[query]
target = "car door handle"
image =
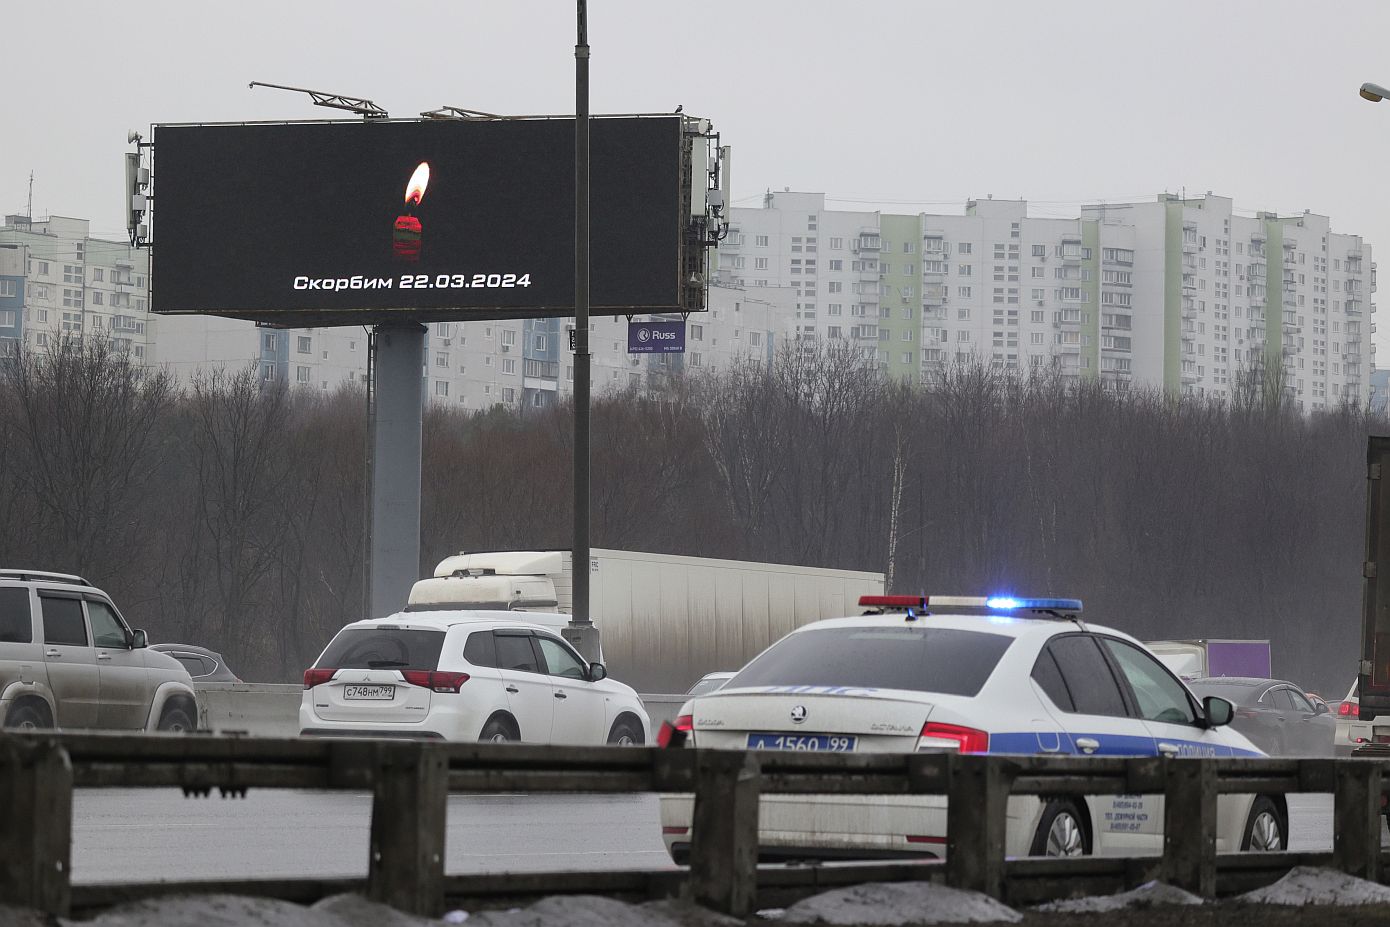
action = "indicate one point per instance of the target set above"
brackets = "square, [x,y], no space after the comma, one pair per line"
[1087,745]
[103,655]
[1169,749]
[561,695]
[52,653]
[513,690]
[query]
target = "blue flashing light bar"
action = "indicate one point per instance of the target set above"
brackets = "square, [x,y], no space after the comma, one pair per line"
[1009,603]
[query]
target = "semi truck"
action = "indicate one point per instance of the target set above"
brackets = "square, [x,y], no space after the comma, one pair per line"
[1373,672]
[664,620]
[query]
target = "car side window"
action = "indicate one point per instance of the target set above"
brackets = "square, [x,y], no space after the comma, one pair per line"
[16,621]
[560,660]
[1301,702]
[1160,696]
[514,652]
[193,664]
[1093,687]
[1282,699]
[107,629]
[480,649]
[1049,679]
[63,623]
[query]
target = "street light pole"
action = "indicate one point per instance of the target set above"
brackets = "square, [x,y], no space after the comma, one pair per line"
[581,631]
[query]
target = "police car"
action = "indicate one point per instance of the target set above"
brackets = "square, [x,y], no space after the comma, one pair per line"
[976,675]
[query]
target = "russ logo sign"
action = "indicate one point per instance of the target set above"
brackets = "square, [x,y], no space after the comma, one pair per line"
[407,237]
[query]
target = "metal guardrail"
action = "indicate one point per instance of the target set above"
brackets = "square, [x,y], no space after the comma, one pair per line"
[411,782]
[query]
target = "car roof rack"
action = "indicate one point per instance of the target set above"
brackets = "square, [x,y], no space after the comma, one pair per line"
[43,576]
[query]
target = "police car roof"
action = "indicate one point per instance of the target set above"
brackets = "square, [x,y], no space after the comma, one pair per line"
[1020,625]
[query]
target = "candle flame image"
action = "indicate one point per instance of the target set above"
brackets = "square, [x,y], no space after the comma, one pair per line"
[415,190]
[407,234]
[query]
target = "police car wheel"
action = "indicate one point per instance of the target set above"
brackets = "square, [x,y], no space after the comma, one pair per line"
[1061,832]
[1265,828]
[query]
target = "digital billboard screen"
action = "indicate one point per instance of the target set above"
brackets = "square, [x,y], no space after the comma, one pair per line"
[349,222]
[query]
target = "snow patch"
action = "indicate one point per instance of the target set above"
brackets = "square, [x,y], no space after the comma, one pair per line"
[899,904]
[1148,895]
[244,911]
[1309,885]
[597,911]
[22,917]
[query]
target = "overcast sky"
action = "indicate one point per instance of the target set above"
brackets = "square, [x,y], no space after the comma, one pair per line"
[904,105]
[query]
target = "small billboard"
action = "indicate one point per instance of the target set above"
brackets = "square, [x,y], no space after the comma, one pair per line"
[656,337]
[333,223]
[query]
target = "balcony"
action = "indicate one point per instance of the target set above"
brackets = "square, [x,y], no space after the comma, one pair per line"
[1189,283]
[868,243]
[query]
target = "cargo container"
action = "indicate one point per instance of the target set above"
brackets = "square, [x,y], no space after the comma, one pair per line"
[665,620]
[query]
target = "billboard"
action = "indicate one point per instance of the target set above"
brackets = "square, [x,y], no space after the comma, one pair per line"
[355,222]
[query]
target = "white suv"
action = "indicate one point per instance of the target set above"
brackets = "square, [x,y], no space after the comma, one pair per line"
[466,675]
[68,659]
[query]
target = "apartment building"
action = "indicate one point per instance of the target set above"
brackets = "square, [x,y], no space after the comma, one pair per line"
[1179,294]
[63,282]
[56,280]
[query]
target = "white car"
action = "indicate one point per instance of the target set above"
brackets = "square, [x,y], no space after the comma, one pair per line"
[1351,732]
[1010,676]
[466,675]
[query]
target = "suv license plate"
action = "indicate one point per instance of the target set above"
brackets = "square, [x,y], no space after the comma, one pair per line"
[834,743]
[379,693]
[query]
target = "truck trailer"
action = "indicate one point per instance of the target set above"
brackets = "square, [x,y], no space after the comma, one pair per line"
[664,620]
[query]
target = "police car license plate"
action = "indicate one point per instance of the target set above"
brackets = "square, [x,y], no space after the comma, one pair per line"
[379,693]
[835,743]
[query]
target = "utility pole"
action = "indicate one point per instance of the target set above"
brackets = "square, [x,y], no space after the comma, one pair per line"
[581,631]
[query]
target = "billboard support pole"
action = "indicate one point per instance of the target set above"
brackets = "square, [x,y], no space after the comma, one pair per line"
[398,400]
[581,631]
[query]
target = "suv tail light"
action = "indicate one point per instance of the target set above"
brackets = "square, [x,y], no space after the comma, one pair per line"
[435,680]
[1349,710]
[317,677]
[937,736]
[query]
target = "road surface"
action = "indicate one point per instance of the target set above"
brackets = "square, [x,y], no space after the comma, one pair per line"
[148,834]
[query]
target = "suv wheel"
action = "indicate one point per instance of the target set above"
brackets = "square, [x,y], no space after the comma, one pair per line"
[497,731]
[27,718]
[624,734]
[175,720]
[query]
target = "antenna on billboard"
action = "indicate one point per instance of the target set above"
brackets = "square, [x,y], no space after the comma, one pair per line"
[362,107]
[458,112]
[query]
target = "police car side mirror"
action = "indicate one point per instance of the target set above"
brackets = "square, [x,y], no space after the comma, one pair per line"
[1218,711]
[597,671]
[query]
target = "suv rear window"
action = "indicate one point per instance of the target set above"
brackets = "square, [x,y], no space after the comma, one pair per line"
[16,623]
[383,648]
[923,659]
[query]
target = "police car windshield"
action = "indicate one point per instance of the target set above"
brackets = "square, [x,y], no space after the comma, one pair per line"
[920,659]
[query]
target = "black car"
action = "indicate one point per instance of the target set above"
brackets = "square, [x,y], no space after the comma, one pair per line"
[1274,713]
[202,664]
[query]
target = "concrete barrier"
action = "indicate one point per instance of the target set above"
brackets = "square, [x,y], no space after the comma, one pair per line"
[258,709]
[662,707]
[271,710]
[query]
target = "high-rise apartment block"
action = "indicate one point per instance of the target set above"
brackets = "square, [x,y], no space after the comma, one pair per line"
[1178,294]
